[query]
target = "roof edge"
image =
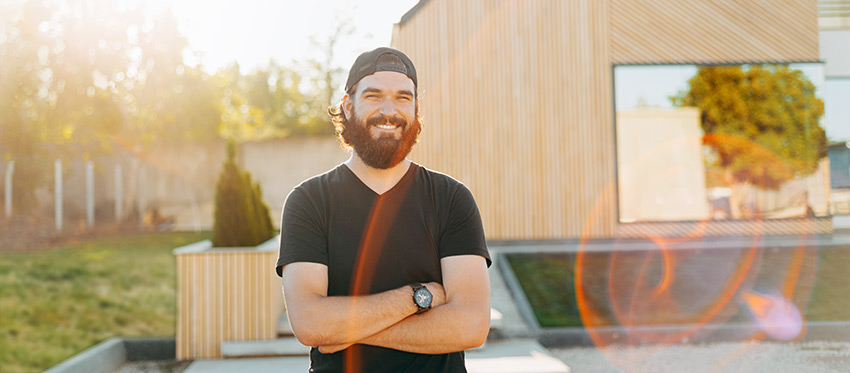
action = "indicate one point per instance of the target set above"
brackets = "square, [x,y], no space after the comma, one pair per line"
[412,12]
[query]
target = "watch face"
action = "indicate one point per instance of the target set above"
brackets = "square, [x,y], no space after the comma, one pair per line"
[422,297]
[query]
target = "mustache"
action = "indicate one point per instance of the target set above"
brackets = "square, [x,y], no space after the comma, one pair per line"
[381,119]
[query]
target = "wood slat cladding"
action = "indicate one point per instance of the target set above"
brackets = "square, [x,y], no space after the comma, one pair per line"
[516,101]
[712,31]
[228,295]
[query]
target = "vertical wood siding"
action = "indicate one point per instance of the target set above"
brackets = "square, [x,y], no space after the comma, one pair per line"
[517,95]
[709,31]
[225,296]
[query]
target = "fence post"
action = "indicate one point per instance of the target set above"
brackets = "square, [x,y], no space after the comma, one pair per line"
[119,194]
[58,193]
[10,169]
[90,194]
[141,195]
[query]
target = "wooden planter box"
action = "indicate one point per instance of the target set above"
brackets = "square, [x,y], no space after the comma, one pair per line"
[225,294]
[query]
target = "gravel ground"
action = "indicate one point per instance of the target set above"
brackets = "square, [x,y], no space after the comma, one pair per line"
[814,356]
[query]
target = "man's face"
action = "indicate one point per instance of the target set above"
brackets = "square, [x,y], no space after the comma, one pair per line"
[382,126]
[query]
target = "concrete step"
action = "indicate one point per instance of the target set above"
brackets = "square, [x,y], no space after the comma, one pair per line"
[275,347]
[298,364]
[496,319]
[501,357]
[513,356]
[283,327]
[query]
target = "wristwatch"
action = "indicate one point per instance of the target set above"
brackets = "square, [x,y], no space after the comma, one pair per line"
[421,297]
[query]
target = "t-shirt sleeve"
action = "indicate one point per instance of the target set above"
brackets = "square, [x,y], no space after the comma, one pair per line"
[463,233]
[302,231]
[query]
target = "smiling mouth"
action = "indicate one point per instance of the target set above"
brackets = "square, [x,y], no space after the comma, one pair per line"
[386,126]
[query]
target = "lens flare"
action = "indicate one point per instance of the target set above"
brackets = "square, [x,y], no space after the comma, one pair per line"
[384,210]
[776,315]
[672,288]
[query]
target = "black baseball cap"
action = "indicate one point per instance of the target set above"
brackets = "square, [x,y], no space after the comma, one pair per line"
[367,64]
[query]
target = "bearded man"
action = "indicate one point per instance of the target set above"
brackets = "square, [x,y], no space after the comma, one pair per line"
[384,262]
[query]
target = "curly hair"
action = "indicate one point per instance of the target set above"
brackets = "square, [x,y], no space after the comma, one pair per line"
[339,121]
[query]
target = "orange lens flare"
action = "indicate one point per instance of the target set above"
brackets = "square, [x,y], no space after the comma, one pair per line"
[384,210]
[776,315]
[690,288]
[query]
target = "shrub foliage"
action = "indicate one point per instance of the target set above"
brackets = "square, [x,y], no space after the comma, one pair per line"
[241,216]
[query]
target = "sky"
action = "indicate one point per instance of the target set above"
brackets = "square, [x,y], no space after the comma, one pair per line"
[251,32]
[254,31]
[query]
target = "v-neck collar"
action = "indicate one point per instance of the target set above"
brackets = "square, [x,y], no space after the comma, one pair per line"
[407,174]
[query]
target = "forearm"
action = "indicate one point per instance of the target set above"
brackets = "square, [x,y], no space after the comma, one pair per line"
[323,320]
[461,322]
[443,329]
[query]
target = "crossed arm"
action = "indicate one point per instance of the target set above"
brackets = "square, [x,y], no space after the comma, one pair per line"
[458,320]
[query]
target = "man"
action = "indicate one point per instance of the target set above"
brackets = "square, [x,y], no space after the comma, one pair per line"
[384,262]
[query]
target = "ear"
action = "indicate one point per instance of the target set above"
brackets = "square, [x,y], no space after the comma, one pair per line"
[346,105]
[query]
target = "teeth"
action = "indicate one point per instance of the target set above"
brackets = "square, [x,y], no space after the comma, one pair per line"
[386,126]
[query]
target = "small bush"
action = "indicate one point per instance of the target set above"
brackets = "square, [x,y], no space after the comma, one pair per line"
[241,216]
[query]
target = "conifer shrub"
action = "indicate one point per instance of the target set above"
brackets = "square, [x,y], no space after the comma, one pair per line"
[241,216]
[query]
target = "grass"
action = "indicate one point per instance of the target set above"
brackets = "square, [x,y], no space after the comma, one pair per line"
[544,279]
[55,303]
[822,286]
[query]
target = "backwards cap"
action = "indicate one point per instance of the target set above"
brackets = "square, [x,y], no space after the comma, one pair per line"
[367,64]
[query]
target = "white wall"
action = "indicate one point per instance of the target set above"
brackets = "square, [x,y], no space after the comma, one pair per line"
[280,165]
[661,176]
[179,180]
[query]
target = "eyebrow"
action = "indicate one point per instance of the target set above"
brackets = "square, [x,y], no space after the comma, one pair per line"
[376,90]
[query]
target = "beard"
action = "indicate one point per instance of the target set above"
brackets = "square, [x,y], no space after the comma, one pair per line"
[386,151]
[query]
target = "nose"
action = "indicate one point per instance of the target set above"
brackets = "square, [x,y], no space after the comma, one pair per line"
[388,108]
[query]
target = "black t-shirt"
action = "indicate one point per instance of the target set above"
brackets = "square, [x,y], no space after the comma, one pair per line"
[373,243]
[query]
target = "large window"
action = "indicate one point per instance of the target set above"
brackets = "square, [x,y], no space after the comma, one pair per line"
[837,123]
[720,142]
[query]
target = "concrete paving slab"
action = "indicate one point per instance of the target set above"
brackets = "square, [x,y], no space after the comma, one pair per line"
[511,323]
[813,356]
[254,365]
[283,327]
[275,347]
[515,356]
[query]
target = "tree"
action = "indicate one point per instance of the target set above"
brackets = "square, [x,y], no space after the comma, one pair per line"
[328,76]
[761,120]
[54,60]
[270,102]
[80,76]
[241,216]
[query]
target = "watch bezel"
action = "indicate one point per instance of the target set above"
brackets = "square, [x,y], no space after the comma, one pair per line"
[417,288]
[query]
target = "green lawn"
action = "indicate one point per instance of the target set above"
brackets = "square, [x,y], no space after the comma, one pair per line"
[822,292]
[55,303]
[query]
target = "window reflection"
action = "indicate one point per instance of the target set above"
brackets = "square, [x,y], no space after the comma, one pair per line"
[720,142]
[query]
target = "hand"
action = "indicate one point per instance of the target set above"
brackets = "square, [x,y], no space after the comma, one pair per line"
[329,349]
[438,294]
